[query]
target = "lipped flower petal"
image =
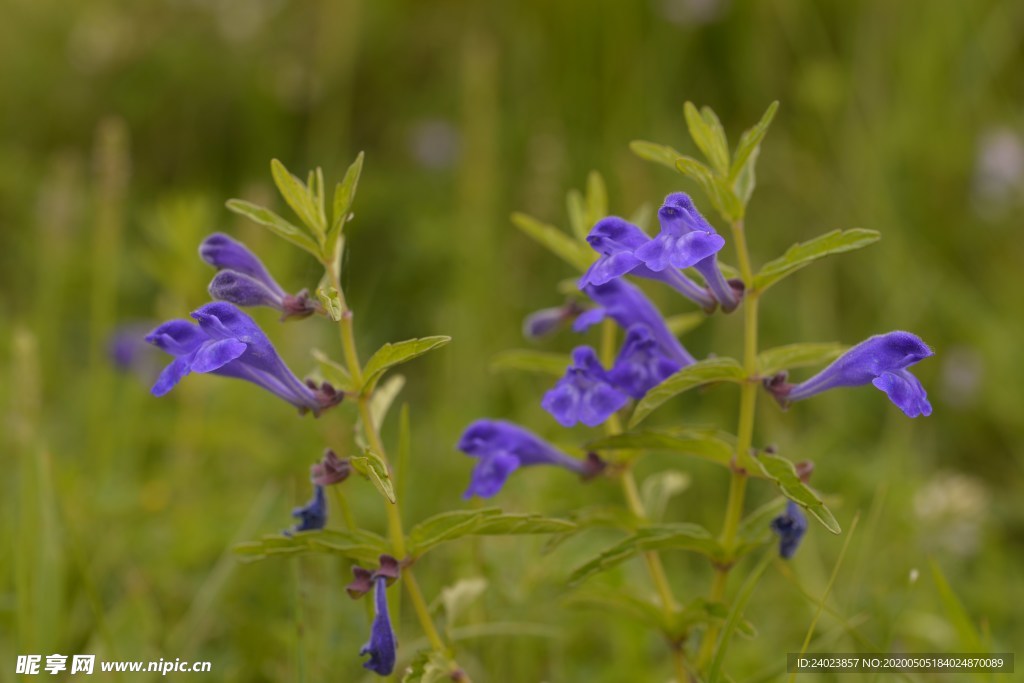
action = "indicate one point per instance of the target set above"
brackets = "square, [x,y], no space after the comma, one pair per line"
[641,364]
[584,394]
[881,360]
[243,290]
[503,447]
[224,253]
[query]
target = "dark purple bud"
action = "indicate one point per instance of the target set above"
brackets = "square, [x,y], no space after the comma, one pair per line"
[791,527]
[229,343]
[382,646]
[330,470]
[585,394]
[312,515]
[881,360]
[593,466]
[389,568]
[299,306]
[548,320]
[618,241]
[502,448]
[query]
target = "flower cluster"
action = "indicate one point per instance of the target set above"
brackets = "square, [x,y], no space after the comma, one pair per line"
[590,393]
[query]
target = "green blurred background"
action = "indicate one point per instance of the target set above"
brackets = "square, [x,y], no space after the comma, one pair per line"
[126,125]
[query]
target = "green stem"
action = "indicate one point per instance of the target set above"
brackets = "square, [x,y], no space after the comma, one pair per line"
[744,435]
[629,489]
[395,530]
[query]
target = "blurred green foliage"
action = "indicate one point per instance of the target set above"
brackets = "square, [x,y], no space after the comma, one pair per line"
[126,125]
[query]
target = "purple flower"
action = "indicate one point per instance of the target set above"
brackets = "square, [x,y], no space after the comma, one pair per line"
[548,320]
[687,239]
[627,305]
[641,364]
[791,527]
[312,515]
[502,448]
[617,240]
[228,342]
[382,646]
[881,360]
[585,394]
[244,281]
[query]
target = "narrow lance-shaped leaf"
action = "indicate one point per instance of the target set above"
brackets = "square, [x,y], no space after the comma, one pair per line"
[659,154]
[298,197]
[701,372]
[576,208]
[691,537]
[783,473]
[597,200]
[798,356]
[575,253]
[371,466]
[391,355]
[804,253]
[707,133]
[750,141]
[275,223]
[704,444]
[544,362]
[447,526]
[344,195]
[355,544]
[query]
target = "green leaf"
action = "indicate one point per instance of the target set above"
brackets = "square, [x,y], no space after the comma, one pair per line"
[783,473]
[715,187]
[428,666]
[800,255]
[332,302]
[706,131]
[576,253]
[371,466]
[383,397]
[545,362]
[355,544]
[750,143]
[735,618]
[704,444]
[390,355]
[746,181]
[658,537]
[298,197]
[333,372]
[486,522]
[701,372]
[344,195]
[597,200]
[575,206]
[968,638]
[659,154]
[277,225]
[798,356]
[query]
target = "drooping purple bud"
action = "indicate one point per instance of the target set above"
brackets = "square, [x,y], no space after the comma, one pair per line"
[617,241]
[312,515]
[503,447]
[881,360]
[382,646]
[548,320]
[791,527]
[585,394]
